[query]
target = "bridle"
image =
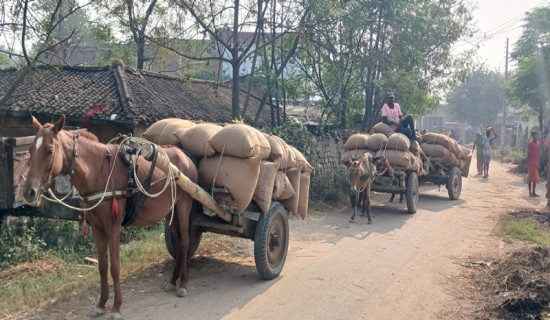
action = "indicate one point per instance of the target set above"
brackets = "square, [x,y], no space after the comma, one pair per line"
[70,171]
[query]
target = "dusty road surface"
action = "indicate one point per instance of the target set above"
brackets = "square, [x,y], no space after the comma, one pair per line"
[402,266]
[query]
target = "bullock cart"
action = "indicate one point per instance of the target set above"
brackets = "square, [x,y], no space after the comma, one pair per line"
[441,173]
[398,180]
[269,231]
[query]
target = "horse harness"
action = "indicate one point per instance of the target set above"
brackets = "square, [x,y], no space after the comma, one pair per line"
[129,159]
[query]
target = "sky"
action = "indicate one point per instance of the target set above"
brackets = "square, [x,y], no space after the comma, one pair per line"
[496,21]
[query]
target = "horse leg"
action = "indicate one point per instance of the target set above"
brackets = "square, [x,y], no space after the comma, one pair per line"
[392,196]
[100,239]
[114,254]
[401,198]
[174,228]
[367,201]
[184,217]
[357,196]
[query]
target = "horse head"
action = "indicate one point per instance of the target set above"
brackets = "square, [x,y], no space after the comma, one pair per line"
[46,159]
[359,171]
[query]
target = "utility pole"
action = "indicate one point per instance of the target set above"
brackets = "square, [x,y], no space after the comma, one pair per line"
[504,106]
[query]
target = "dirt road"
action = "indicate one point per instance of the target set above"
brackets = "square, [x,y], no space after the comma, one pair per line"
[401,267]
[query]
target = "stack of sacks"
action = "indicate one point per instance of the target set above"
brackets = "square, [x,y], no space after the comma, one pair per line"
[381,127]
[396,147]
[443,148]
[355,146]
[250,164]
[292,177]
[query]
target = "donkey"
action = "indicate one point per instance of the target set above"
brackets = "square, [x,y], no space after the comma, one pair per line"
[102,182]
[362,173]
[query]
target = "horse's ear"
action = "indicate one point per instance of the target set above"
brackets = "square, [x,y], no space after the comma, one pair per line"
[348,161]
[36,125]
[58,125]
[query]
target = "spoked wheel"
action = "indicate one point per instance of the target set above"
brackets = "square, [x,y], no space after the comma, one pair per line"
[454,183]
[271,241]
[172,244]
[412,192]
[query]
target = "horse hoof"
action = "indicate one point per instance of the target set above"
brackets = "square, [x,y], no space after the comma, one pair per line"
[97,312]
[169,287]
[351,221]
[182,292]
[115,316]
[370,221]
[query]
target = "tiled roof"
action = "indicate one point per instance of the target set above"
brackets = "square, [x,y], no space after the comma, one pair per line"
[135,96]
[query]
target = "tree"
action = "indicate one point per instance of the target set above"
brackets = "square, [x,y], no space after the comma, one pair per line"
[478,100]
[35,31]
[530,82]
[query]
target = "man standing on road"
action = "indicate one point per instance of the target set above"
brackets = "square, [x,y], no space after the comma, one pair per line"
[392,116]
[533,149]
[478,147]
[487,141]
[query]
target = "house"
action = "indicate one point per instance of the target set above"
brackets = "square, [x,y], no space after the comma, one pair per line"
[116,99]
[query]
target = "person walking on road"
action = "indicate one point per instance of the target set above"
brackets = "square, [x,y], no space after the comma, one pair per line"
[487,141]
[478,147]
[533,150]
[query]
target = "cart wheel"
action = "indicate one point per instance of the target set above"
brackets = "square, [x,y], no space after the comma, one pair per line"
[454,183]
[271,241]
[412,192]
[172,244]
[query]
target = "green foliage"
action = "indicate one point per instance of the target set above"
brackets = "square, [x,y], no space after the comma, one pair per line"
[478,100]
[329,188]
[524,230]
[27,239]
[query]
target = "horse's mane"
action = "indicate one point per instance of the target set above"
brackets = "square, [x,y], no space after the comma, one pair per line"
[86,134]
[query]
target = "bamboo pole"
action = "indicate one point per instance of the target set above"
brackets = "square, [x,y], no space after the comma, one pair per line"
[193,189]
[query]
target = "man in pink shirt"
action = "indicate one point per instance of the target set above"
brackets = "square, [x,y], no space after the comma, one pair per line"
[392,116]
[533,149]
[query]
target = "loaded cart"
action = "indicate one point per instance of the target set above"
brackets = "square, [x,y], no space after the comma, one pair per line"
[261,217]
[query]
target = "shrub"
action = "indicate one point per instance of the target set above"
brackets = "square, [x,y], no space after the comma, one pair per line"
[329,188]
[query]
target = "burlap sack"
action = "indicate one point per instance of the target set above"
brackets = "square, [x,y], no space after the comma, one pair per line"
[301,161]
[456,149]
[264,187]
[353,154]
[398,141]
[237,140]
[291,203]
[265,146]
[415,148]
[303,200]
[381,127]
[153,132]
[280,151]
[435,150]
[465,151]
[195,139]
[357,141]
[415,163]
[377,141]
[437,138]
[282,188]
[238,175]
[168,137]
[465,169]
[397,158]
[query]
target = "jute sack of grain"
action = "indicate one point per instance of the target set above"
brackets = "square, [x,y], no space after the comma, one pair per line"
[291,203]
[398,141]
[195,139]
[415,148]
[301,160]
[465,168]
[237,140]
[303,200]
[435,150]
[168,137]
[153,132]
[282,188]
[264,187]
[353,154]
[465,151]
[415,164]
[456,149]
[280,151]
[437,138]
[377,141]
[397,158]
[238,175]
[357,141]
[265,146]
[381,127]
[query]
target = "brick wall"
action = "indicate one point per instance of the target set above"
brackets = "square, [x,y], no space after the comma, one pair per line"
[330,148]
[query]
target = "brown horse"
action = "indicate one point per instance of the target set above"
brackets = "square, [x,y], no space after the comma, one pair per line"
[362,173]
[94,168]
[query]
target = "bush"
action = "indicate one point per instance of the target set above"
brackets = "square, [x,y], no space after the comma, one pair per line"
[328,188]
[297,136]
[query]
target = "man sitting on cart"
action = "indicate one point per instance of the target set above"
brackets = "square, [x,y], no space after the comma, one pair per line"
[392,116]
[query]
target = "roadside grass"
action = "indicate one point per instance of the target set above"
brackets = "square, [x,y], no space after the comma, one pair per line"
[524,229]
[36,284]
